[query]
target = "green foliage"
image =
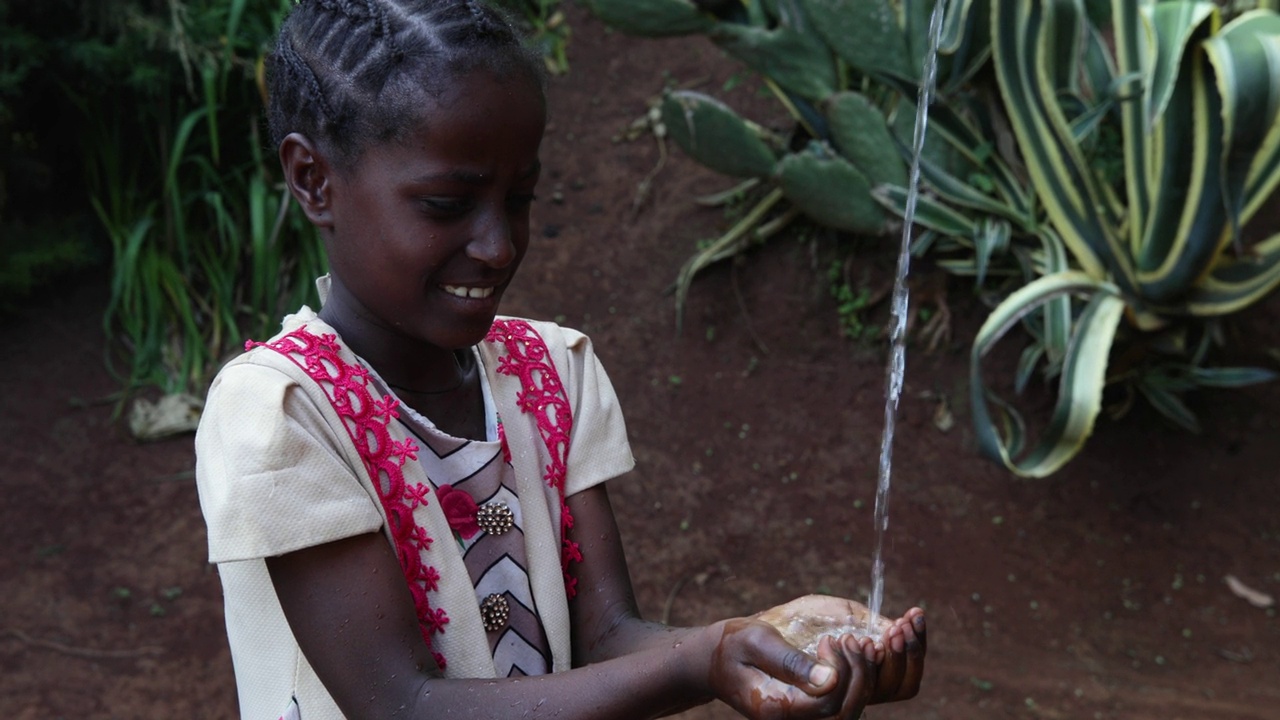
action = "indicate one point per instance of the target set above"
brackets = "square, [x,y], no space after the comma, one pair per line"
[1094,162]
[205,248]
[546,28]
[851,302]
[212,252]
[838,67]
[652,18]
[1141,172]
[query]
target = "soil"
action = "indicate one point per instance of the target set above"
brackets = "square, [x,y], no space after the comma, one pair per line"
[1096,593]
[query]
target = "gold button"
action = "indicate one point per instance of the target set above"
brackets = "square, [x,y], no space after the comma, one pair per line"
[495,612]
[495,518]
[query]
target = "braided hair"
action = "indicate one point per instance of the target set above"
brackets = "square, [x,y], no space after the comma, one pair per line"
[346,73]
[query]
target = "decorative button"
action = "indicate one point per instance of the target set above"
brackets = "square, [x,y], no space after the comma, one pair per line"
[495,612]
[495,518]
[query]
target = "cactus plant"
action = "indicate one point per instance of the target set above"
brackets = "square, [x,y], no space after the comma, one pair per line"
[1112,150]
[1149,248]
[838,66]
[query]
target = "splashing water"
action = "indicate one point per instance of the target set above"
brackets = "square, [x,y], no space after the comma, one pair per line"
[897,353]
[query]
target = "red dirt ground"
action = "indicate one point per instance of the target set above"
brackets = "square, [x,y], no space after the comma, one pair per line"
[1097,593]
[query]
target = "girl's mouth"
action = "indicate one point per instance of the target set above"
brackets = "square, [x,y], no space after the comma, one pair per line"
[468,292]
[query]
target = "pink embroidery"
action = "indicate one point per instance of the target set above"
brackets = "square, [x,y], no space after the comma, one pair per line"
[542,395]
[417,495]
[366,419]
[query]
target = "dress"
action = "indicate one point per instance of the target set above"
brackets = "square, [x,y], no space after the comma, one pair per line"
[280,467]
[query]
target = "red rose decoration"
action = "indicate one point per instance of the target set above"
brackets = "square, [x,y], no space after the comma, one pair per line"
[460,510]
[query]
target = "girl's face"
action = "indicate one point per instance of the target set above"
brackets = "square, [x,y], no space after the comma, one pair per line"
[428,230]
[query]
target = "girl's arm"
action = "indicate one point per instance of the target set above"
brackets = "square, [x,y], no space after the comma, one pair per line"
[607,622]
[349,608]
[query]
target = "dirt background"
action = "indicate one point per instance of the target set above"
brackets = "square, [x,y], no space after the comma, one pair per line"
[1097,593]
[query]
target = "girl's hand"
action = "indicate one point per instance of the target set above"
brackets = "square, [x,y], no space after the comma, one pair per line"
[901,647]
[903,666]
[761,675]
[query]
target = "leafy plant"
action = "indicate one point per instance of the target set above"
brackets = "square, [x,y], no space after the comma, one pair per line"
[206,249]
[1095,161]
[851,301]
[1156,252]
[839,67]
[547,29]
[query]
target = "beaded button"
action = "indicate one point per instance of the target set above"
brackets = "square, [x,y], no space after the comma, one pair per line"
[495,612]
[495,518]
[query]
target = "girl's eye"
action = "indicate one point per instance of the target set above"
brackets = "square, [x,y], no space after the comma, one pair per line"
[445,206]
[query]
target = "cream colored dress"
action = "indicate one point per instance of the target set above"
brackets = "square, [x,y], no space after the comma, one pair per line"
[278,470]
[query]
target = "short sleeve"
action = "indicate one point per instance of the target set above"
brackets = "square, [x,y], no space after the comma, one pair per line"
[598,445]
[271,474]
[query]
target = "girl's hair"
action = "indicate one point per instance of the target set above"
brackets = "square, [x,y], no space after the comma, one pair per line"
[346,73]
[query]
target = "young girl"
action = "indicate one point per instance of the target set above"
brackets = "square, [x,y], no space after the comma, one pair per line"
[404,493]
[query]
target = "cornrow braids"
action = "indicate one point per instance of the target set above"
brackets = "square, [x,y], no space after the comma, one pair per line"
[300,70]
[379,13]
[346,73]
[476,14]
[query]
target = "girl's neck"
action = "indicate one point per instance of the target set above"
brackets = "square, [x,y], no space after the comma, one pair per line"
[442,385]
[459,410]
[403,362]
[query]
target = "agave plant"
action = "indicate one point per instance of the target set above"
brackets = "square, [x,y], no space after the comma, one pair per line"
[1156,255]
[839,67]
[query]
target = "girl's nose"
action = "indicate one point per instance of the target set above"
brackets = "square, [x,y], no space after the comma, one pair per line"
[492,242]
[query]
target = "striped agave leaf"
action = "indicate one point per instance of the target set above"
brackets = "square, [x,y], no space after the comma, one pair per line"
[1081,381]
[1025,38]
[1199,116]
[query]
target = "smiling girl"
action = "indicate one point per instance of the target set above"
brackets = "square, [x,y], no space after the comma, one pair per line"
[405,491]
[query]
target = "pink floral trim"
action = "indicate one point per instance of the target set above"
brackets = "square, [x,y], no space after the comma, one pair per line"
[542,395]
[366,419]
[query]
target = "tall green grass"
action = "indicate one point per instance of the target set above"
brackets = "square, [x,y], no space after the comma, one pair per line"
[207,249]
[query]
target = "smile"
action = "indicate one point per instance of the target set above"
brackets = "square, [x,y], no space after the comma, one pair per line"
[468,292]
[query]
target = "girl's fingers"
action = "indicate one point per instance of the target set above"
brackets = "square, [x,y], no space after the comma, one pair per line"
[859,655]
[777,658]
[916,616]
[893,669]
[913,633]
[903,667]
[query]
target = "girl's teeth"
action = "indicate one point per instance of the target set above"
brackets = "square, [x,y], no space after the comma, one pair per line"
[464,292]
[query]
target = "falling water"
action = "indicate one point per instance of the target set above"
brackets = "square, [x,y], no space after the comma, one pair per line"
[897,357]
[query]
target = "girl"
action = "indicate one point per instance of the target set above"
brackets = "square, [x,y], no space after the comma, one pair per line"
[404,492]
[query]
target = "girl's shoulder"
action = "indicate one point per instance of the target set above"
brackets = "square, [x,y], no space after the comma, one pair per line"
[558,339]
[300,334]
[269,369]
[525,341]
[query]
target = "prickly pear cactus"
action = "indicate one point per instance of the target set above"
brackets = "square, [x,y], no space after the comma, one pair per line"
[860,133]
[813,55]
[715,136]
[652,18]
[831,190]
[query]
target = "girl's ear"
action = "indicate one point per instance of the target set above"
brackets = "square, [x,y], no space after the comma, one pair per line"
[308,175]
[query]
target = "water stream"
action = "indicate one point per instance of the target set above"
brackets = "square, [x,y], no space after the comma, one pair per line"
[897,353]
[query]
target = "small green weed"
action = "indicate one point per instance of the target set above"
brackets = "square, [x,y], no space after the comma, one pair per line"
[851,303]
